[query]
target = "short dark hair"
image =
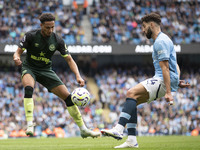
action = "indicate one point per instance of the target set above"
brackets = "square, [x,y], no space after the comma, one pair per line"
[46,17]
[155,17]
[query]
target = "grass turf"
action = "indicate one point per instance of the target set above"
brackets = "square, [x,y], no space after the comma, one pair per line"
[104,143]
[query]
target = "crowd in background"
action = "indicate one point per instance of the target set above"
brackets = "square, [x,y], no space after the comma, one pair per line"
[21,16]
[52,118]
[115,21]
[119,21]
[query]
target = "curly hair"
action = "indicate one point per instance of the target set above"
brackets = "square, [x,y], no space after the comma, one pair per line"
[155,17]
[46,17]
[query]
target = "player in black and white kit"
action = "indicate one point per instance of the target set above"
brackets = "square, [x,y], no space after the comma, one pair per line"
[40,45]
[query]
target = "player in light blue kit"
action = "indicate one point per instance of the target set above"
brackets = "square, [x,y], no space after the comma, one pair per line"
[165,81]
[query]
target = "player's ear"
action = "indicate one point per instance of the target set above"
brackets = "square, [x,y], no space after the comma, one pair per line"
[152,24]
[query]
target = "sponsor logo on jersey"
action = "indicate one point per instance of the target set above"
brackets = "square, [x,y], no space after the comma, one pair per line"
[46,60]
[52,47]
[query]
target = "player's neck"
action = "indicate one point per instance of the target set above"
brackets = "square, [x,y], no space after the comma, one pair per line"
[44,35]
[155,34]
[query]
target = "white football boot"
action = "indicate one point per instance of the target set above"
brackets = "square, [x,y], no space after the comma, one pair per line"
[89,133]
[113,133]
[30,130]
[128,144]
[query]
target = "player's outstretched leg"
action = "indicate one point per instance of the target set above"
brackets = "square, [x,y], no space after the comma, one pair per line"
[76,115]
[113,133]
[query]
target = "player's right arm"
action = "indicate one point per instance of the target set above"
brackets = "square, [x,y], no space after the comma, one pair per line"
[21,47]
[17,55]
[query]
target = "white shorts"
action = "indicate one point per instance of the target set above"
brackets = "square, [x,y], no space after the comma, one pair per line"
[155,87]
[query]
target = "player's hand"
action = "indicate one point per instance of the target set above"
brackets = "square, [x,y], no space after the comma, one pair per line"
[17,61]
[80,81]
[183,84]
[169,98]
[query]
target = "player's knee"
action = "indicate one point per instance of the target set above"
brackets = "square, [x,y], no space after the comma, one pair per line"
[28,92]
[131,94]
[68,101]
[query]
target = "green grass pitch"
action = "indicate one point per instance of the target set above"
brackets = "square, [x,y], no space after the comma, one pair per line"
[104,143]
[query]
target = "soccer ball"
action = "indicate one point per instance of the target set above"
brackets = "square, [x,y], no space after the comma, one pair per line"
[80,96]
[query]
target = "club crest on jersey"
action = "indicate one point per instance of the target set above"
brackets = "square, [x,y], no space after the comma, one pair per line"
[36,44]
[52,47]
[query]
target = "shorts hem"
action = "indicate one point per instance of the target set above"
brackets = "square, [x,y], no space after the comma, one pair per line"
[50,88]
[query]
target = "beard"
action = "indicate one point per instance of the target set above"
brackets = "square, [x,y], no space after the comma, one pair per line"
[149,33]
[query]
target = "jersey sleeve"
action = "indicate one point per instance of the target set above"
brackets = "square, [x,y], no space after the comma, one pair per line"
[162,51]
[62,48]
[25,42]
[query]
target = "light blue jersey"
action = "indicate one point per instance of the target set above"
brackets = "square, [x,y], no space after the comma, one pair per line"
[163,49]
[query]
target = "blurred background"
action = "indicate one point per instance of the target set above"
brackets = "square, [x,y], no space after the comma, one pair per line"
[105,39]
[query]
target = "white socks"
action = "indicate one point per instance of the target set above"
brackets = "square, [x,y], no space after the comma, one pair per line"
[132,138]
[83,127]
[29,123]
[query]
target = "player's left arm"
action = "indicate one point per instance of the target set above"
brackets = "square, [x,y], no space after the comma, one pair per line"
[166,76]
[163,54]
[62,47]
[73,66]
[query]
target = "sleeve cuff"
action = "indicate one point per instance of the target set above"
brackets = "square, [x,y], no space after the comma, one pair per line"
[162,59]
[65,55]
